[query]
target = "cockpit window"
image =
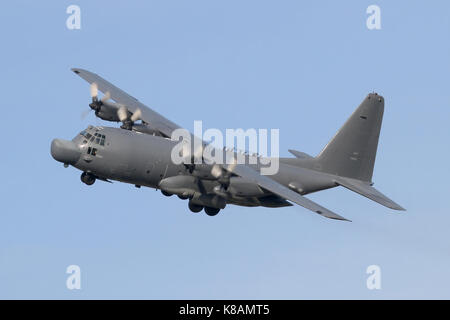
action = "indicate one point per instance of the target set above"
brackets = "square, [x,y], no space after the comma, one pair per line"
[96,138]
[92,151]
[102,140]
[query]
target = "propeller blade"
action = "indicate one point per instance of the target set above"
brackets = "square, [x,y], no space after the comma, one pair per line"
[106,97]
[85,113]
[136,115]
[198,153]
[186,152]
[94,90]
[122,113]
[216,171]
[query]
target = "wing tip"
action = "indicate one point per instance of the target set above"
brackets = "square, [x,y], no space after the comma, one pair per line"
[80,70]
[340,219]
[398,207]
[394,206]
[333,216]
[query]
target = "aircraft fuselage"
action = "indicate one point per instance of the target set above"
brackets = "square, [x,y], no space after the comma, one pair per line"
[108,153]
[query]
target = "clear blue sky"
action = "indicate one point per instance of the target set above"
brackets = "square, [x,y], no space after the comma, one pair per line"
[302,67]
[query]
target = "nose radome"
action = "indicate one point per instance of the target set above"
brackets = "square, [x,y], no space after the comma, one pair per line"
[65,151]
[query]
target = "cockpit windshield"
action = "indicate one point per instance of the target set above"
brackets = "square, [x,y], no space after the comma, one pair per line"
[97,138]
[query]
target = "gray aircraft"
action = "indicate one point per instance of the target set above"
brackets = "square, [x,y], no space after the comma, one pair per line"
[139,153]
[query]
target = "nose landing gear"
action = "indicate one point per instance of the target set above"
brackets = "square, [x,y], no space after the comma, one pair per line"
[87,178]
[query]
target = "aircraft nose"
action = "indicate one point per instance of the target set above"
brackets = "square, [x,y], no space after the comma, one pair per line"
[65,151]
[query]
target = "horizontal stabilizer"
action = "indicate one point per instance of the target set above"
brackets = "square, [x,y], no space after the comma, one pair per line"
[368,191]
[300,155]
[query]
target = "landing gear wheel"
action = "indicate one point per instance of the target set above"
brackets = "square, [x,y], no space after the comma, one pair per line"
[87,178]
[195,207]
[211,211]
[183,197]
[167,194]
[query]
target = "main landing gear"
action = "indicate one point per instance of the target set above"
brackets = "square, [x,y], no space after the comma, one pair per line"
[87,178]
[195,207]
[211,211]
[208,210]
[167,194]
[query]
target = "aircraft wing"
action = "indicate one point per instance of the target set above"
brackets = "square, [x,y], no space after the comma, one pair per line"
[154,119]
[280,190]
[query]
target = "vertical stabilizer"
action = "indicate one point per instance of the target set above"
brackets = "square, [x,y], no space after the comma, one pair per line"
[351,153]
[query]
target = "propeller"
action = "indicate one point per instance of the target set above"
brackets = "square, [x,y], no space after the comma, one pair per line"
[217,171]
[111,111]
[106,97]
[189,156]
[127,118]
[97,104]
[85,113]
[122,113]
[94,91]
[223,175]
[137,115]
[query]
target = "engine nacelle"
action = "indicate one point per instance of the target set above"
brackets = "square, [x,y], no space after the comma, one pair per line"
[180,185]
[107,113]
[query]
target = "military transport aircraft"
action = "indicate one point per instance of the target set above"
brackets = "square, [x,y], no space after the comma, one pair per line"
[139,153]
